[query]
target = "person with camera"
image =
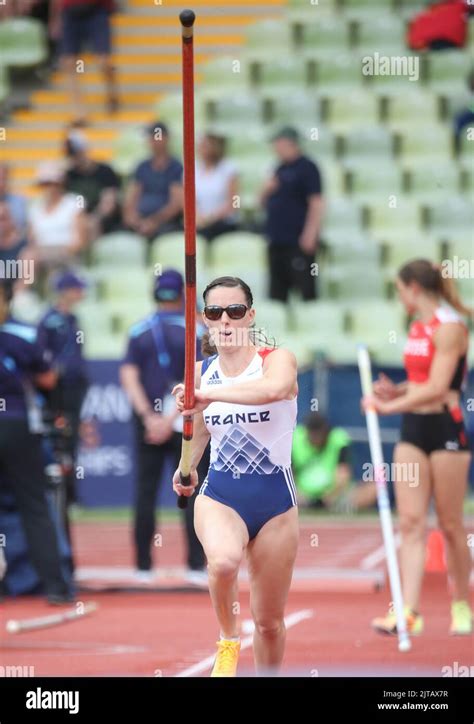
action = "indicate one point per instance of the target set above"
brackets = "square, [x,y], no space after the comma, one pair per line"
[24,367]
[59,334]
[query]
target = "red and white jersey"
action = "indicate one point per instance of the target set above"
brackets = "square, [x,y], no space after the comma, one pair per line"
[247,438]
[420,348]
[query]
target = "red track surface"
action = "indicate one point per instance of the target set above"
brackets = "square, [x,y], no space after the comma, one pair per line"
[153,634]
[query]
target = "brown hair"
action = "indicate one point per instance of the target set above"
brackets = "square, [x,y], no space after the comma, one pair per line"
[257,336]
[429,276]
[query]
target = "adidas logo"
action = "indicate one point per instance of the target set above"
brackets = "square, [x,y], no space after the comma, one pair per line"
[214,379]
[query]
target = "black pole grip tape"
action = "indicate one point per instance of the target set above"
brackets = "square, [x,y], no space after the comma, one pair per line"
[187,18]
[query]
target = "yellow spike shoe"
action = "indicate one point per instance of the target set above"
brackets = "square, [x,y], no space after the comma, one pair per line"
[227,658]
[461,619]
[388,624]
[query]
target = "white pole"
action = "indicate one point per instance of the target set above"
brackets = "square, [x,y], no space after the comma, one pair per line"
[365,370]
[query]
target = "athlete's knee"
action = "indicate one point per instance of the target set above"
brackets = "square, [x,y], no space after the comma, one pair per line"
[412,526]
[223,565]
[269,627]
[451,530]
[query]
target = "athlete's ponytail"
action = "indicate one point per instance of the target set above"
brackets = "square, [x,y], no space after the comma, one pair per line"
[430,277]
[256,334]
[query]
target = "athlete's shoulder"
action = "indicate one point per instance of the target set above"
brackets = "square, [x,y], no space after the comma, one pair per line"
[141,327]
[277,353]
[446,314]
[206,363]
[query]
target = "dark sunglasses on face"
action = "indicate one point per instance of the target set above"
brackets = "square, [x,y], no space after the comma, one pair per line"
[234,311]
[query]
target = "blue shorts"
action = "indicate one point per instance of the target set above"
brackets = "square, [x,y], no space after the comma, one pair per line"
[91,28]
[256,498]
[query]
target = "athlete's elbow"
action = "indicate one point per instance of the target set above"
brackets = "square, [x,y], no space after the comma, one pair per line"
[438,392]
[278,392]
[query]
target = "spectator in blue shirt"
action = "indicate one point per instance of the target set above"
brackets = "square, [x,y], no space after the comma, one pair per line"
[59,334]
[154,362]
[293,201]
[154,199]
[24,365]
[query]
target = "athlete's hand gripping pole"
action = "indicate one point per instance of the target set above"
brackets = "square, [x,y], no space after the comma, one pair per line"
[187,18]
[404,643]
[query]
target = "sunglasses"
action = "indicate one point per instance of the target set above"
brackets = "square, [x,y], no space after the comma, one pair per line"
[234,311]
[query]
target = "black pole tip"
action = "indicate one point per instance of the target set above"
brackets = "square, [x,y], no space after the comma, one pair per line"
[187,18]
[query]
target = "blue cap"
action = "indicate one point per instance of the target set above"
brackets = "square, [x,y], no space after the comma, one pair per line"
[168,286]
[68,280]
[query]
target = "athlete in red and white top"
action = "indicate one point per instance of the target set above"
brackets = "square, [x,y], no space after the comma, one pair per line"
[433,441]
[246,404]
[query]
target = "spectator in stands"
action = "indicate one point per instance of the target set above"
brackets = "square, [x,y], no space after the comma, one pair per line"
[293,201]
[321,464]
[96,182]
[57,225]
[85,22]
[58,334]
[216,188]
[464,116]
[11,242]
[153,363]
[16,203]
[23,366]
[154,199]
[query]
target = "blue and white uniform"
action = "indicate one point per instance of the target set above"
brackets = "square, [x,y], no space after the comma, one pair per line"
[250,464]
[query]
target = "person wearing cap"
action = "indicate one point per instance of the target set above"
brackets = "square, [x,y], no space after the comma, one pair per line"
[25,367]
[97,183]
[57,225]
[154,198]
[153,363]
[293,201]
[58,333]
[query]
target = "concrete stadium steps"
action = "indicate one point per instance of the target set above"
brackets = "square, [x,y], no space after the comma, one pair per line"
[147,56]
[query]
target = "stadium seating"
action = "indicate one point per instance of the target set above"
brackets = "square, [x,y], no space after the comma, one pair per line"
[121,249]
[22,42]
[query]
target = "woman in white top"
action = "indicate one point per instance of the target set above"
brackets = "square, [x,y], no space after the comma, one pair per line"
[246,404]
[57,226]
[216,188]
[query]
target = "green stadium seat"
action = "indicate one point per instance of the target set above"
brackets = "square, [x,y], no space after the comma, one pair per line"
[349,244]
[369,179]
[384,34]
[169,109]
[374,142]
[376,318]
[411,106]
[120,249]
[124,284]
[168,251]
[355,107]
[452,217]
[125,312]
[301,105]
[365,8]
[254,143]
[467,146]
[108,345]
[447,71]
[225,73]
[401,249]
[324,33]
[4,84]
[239,247]
[429,140]
[281,73]
[319,317]
[253,172]
[398,215]
[269,35]
[333,177]
[428,180]
[130,149]
[352,280]
[462,247]
[236,109]
[341,214]
[272,318]
[407,72]
[256,277]
[22,42]
[337,74]
[317,141]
